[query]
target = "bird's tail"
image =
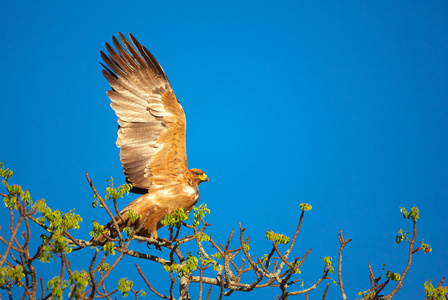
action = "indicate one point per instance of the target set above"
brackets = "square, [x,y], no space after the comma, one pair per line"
[121,222]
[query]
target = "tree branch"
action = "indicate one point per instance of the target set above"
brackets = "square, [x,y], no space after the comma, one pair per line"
[343,243]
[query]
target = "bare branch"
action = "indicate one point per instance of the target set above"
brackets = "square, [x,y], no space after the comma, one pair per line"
[149,285]
[310,288]
[13,235]
[326,290]
[173,280]
[343,243]
[209,292]
[293,241]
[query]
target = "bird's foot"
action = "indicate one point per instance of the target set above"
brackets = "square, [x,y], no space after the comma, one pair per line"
[148,244]
[157,246]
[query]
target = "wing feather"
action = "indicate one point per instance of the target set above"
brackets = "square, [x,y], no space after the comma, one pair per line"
[132,51]
[151,134]
[124,55]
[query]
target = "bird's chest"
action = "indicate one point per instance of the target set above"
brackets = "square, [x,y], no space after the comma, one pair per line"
[184,197]
[191,195]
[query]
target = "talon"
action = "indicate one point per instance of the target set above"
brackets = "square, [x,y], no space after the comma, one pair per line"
[148,244]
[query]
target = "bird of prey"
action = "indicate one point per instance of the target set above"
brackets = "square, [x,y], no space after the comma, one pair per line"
[151,137]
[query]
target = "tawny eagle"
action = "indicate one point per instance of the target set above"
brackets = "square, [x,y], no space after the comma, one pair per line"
[151,137]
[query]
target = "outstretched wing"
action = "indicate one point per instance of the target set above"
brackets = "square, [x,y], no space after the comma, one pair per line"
[152,124]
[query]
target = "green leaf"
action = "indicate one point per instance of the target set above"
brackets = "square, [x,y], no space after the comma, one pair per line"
[124,286]
[54,285]
[426,247]
[133,216]
[401,236]
[293,265]
[79,282]
[413,214]
[113,193]
[58,222]
[305,207]
[175,219]
[5,173]
[98,230]
[104,267]
[277,237]
[393,276]
[109,249]
[199,213]
[13,274]
[202,237]
[438,293]
[327,261]
[192,262]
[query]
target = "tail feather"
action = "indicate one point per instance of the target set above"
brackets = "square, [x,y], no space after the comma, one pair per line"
[102,239]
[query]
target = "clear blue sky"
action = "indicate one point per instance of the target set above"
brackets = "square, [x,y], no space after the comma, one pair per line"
[340,105]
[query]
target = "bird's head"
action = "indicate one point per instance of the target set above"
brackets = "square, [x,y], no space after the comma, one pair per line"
[198,176]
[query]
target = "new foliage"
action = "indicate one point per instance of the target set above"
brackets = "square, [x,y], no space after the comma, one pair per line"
[217,269]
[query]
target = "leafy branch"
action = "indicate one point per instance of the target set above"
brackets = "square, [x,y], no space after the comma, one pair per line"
[224,267]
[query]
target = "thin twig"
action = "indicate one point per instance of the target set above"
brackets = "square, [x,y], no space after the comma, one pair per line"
[149,285]
[221,293]
[209,292]
[173,280]
[326,290]
[408,265]
[103,203]
[343,243]
[13,235]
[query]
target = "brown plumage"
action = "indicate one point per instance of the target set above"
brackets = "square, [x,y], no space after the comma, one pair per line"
[151,137]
